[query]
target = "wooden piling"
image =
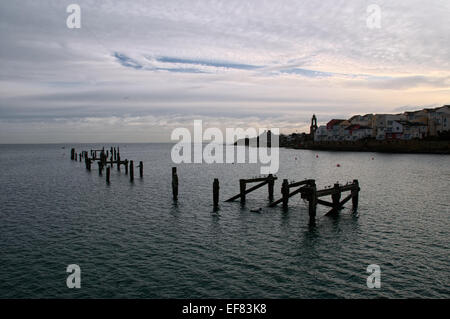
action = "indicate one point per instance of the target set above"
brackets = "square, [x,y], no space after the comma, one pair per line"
[131,171]
[100,168]
[312,202]
[118,162]
[242,190]
[270,186]
[108,173]
[174,183]
[336,197]
[103,158]
[141,169]
[126,166]
[72,154]
[355,195]
[285,192]
[216,188]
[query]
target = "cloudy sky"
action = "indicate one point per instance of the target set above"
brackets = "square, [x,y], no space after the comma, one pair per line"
[137,69]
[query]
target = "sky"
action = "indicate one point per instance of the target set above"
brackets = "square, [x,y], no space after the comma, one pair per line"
[136,70]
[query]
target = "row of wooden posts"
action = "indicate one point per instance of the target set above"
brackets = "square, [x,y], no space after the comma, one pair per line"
[306,188]
[101,156]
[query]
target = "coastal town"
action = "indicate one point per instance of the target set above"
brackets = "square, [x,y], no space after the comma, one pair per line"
[405,126]
[426,130]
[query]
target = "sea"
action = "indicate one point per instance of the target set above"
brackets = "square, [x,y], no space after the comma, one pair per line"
[132,240]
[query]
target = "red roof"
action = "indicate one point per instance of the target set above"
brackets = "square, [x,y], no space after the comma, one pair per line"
[332,123]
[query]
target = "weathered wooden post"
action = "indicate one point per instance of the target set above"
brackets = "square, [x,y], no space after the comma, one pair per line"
[242,190]
[118,162]
[115,154]
[108,173]
[80,156]
[111,159]
[131,171]
[216,188]
[174,183]
[270,186]
[141,169]
[336,197]
[72,154]
[355,195]
[100,168]
[312,202]
[103,157]
[285,192]
[89,164]
[126,166]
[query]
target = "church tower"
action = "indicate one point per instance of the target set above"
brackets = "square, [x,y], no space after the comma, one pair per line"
[313,127]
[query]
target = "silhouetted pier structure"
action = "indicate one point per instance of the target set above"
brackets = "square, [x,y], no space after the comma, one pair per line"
[269,180]
[286,193]
[107,159]
[306,188]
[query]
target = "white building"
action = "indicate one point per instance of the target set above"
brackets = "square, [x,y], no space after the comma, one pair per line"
[358,132]
[406,130]
[321,134]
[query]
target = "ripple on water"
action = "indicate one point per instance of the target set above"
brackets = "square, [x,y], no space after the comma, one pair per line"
[131,240]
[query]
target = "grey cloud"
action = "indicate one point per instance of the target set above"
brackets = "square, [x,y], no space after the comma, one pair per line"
[275,60]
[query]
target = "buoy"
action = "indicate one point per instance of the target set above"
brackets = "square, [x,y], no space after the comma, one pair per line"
[317,156]
[372,158]
[338,165]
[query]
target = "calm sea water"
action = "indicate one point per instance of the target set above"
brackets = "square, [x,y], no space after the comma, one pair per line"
[131,240]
